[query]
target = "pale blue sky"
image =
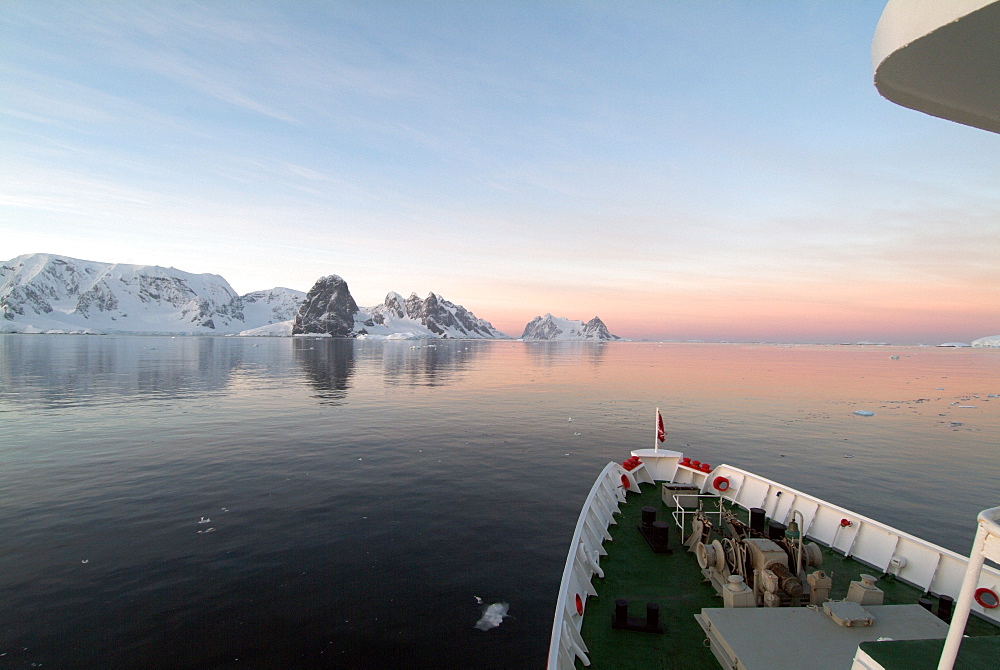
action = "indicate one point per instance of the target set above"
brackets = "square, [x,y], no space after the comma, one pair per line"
[682,169]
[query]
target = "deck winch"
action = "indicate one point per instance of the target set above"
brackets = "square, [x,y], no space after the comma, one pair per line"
[770,559]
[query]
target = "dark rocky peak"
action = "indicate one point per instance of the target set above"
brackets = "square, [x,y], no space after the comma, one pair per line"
[328,309]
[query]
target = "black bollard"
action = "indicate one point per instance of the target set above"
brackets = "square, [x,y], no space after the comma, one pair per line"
[621,613]
[652,616]
[945,604]
[648,516]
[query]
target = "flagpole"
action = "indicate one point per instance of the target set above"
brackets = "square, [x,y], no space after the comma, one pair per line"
[656,430]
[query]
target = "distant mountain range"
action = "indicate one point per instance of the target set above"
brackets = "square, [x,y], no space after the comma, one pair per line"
[48,293]
[45,292]
[329,309]
[550,327]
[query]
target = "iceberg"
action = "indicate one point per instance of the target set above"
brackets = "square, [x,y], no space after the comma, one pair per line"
[492,616]
[988,341]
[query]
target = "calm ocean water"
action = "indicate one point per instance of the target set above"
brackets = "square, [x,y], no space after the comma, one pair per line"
[296,503]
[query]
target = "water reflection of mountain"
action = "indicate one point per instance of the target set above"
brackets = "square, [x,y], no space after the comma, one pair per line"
[53,371]
[423,363]
[56,371]
[328,364]
[567,352]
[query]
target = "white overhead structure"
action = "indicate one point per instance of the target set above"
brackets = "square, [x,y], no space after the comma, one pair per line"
[941,57]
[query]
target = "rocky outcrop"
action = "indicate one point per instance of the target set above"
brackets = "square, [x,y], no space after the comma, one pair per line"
[328,309]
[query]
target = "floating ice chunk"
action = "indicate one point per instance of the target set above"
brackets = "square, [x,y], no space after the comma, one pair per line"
[204,520]
[864,412]
[479,601]
[570,419]
[492,616]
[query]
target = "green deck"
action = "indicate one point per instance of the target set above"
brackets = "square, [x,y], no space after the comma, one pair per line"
[633,572]
[976,653]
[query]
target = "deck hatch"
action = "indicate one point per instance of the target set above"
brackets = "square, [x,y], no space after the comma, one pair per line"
[743,638]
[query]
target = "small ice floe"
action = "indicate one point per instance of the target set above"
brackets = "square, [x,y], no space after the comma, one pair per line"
[848,455]
[85,561]
[207,530]
[479,601]
[492,616]
[864,412]
[570,419]
[967,407]
[577,434]
[224,509]
[204,520]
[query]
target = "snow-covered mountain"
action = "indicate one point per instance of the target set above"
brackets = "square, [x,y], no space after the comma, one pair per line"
[550,327]
[329,309]
[46,292]
[439,317]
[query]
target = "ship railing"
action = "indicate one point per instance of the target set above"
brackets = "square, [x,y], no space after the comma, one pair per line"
[925,565]
[681,511]
[985,546]
[582,562]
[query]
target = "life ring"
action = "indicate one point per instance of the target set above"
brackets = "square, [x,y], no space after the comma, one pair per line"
[721,483]
[625,484]
[579,604]
[987,598]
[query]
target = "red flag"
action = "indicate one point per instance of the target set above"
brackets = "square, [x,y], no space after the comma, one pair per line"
[661,434]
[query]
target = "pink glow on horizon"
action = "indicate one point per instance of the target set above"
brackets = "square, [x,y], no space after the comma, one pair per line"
[876,313]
